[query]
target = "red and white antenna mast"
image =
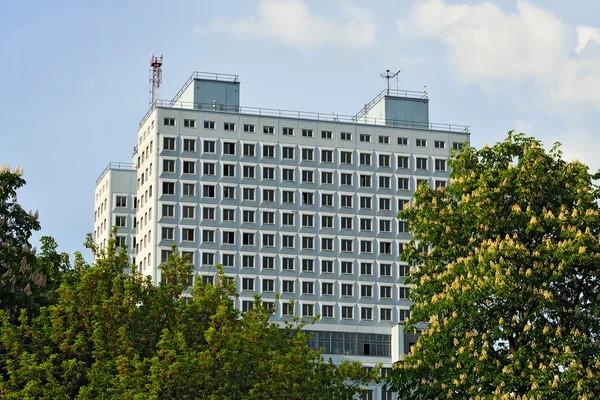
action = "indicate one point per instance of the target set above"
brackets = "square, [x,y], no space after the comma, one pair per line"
[155,77]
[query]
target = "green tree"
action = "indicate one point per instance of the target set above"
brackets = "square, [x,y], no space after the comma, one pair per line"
[506,265]
[26,280]
[113,334]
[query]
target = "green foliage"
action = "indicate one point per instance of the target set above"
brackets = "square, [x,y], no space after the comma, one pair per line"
[112,334]
[25,282]
[509,285]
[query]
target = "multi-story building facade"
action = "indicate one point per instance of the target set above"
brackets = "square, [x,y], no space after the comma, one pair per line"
[115,205]
[300,204]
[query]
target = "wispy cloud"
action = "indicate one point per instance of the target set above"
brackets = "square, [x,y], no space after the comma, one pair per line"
[492,48]
[292,22]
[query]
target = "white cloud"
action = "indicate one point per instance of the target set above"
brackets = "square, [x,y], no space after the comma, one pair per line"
[577,144]
[491,47]
[292,22]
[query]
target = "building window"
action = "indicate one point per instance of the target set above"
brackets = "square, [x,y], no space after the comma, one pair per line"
[120,241]
[169,121]
[385,292]
[385,248]
[249,171]
[327,311]
[248,284]
[440,165]
[189,144]
[384,204]
[168,165]
[227,260]
[287,309]
[365,159]
[385,225]
[366,269]
[366,246]
[457,145]
[365,180]
[365,138]
[308,243]
[366,225]
[269,130]
[189,167]
[288,241]
[229,126]
[249,194]
[287,219]
[209,169]
[229,193]
[287,264]
[269,173]
[346,136]
[189,189]
[327,267]
[307,133]
[248,216]
[189,123]
[268,262]
[268,285]
[421,163]
[308,310]
[288,153]
[121,201]
[385,314]
[347,245]
[326,221]
[268,217]
[268,240]
[346,201]
[326,244]
[288,131]
[228,237]
[346,222]
[307,154]
[440,184]
[346,267]
[167,233]
[347,289]
[404,315]
[421,142]
[249,150]
[288,197]
[307,176]
[229,148]
[404,293]
[326,178]
[168,210]
[268,195]
[308,288]
[188,211]
[346,179]
[208,213]
[308,220]
[384,139]
[439,144]
[169,188]
[249,128]
[287,286]
[384,182]
[347,312]
[308,198]
[209,125]
[187,235]
[208,236]
[208,191]
[384,161]
[248,239]
[403,184]
[327,289]
[209,146]
[269,151]
[365,202]
[168,143]
[308,265]
[385,270]
[326,135]
[288,174]
[346,157]
[366,313]
[327,156]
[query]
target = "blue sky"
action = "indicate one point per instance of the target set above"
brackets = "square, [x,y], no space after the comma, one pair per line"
[75,74]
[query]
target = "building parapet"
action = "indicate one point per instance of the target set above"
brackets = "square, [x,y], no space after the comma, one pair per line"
[118,166]
[330,117]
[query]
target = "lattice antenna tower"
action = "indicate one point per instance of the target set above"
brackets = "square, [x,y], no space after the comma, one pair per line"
[155,77]
[387,75]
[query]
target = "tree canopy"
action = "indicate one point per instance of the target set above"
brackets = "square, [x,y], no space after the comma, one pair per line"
[113,334]
[505,272]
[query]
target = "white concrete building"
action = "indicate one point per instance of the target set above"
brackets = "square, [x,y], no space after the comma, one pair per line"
[301,204]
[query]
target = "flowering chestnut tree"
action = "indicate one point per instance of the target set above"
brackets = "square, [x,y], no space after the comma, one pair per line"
[506,275]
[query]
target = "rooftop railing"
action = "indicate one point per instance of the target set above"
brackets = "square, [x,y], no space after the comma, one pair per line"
[213,76]
[410,94]
[329,117]
[115,165]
